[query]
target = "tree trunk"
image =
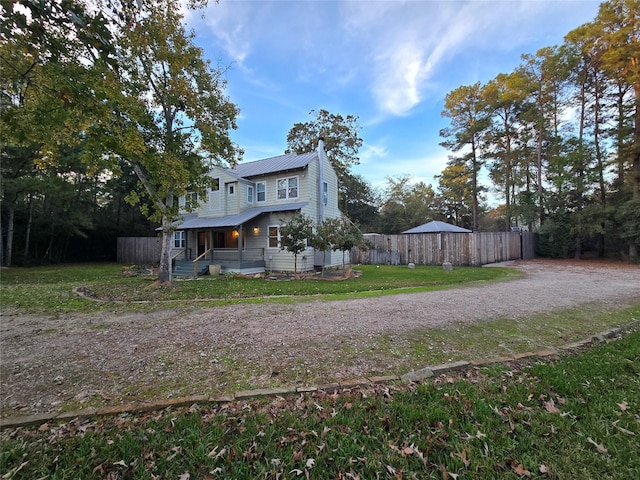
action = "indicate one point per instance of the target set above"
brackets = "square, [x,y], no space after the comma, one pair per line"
[27,238]
[539,143]
[474,180]
[10,216]
[164,272]
[635,167]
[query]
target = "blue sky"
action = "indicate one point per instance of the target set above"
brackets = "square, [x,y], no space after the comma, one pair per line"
[391,63]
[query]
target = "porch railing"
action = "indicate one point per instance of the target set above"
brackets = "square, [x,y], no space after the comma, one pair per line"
[196,260]
[232,258]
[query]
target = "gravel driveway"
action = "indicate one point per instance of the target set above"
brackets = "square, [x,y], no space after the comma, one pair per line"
[106,358]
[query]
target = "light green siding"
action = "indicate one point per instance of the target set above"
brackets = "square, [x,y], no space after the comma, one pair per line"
[221,203]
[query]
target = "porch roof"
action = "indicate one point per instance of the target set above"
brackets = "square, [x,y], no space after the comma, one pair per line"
[192,221]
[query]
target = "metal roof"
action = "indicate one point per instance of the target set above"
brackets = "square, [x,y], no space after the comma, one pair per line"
[192,221]
[289,161]
[437,227]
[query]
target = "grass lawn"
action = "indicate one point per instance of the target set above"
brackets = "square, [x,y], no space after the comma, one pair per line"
[571,417]
[49,290]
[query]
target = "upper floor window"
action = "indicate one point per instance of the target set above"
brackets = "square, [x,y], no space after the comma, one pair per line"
[249,193]
[191,200]
[178,239]
[287,188]
[261,192]
[232,189]
[214,196]
[325,193]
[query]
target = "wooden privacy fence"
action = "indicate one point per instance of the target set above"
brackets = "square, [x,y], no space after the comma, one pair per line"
[138,250]
[470,249]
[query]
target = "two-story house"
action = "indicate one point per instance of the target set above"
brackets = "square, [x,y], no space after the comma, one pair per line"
[236,228]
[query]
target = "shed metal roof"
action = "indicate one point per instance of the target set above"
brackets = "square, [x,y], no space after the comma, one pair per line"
[437,227]
[192,221]
[289,161]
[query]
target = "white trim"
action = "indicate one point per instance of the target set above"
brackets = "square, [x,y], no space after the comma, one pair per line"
[179,239]
[191,200]
[269,227]
[288,188]
[214,198]
[264,192]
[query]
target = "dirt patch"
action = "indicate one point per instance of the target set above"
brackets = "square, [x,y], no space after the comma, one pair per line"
[53,363]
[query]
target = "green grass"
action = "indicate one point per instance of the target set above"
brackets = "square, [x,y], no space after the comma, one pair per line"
[573,417]
[50,289]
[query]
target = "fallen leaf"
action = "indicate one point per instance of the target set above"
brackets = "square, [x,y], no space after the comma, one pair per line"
[463,457]
[623,430]
[185,476]
[121,463]
[550,406]
[623,406]
[297,471]
[310,463]
[543,469]
[407,451]
[453,475]
[599,447]
[11,473]
[519,469]
[176,451]
[479,434]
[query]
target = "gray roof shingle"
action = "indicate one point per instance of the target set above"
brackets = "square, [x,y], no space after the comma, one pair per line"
[192,220]
[437,227]
[281,163]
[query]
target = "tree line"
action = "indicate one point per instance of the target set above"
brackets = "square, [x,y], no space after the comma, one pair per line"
[109,112]
[557,141]
[559,138]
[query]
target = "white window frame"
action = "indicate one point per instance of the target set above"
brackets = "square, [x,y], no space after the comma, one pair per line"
[278,238]
[191,200]
[250,193]
[215,194]
[258,192]
[325,193]
[288,188]
[179,239]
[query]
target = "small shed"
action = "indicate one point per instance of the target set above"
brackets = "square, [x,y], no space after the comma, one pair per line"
[437,227]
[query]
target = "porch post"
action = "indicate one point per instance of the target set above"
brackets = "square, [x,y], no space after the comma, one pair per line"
[211,245]
[240,245]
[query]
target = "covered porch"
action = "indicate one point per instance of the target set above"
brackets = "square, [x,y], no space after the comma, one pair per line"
[247,261]
[231,244]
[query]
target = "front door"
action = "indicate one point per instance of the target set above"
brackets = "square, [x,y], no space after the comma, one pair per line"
[202,243]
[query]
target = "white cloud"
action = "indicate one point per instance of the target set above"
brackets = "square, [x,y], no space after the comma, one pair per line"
[397,85]
[372,152]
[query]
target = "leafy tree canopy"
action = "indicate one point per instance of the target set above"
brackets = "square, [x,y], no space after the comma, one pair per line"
[341,138]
